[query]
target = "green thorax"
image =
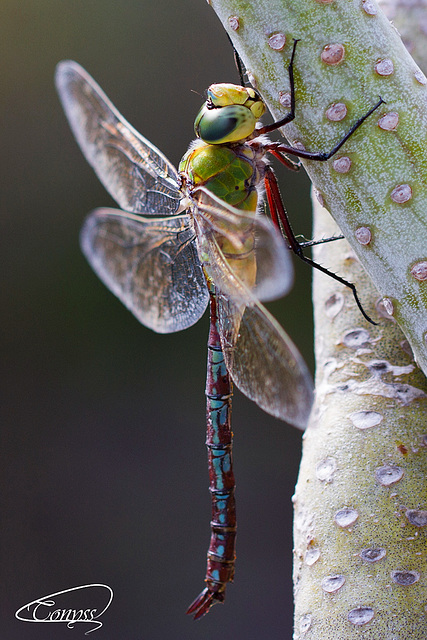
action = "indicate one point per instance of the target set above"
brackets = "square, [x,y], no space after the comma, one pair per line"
[229,172]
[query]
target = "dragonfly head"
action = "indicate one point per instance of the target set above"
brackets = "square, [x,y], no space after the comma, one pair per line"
[229,114]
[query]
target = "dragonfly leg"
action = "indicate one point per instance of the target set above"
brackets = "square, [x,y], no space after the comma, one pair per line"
[280,218]
[291,114]
[219,440]
[237,61]
[311,243]
[284,159]
[280,150]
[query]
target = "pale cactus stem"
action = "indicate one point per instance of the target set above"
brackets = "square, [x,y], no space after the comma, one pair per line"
[349,55]
[360,532]
[360,564]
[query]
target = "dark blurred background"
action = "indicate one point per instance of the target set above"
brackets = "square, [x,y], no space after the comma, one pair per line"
[103,462]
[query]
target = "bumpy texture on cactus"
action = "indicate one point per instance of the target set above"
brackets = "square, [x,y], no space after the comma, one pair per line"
[360,567]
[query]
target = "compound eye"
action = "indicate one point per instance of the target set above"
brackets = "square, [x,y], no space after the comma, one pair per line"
[225,124]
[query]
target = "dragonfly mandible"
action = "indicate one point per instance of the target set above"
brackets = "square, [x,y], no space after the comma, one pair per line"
[173,246]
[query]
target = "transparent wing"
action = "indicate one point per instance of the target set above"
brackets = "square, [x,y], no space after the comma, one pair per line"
[135,173]
[264,363]
[150,264]
[236,243]
[245,258]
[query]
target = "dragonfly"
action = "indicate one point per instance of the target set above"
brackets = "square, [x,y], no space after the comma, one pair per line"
[170,249]
[186,238]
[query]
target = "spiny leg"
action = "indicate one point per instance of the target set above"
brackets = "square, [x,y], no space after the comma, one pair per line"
[291,114]
[238,62]
[312,243]
[280,150]
[281,220]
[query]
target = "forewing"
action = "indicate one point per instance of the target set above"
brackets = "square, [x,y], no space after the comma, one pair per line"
[264,363]
[135,173]
[249,245]
[150,264]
